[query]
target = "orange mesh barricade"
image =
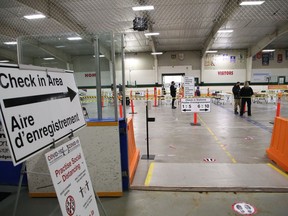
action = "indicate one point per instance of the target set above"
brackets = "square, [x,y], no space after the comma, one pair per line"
[133,152]
[278,150]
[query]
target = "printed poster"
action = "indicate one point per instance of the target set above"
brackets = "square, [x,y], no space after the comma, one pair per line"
[71,179]
[233,59]
[4,149]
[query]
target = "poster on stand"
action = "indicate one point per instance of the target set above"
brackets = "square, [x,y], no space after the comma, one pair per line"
[71,179]
[4,150]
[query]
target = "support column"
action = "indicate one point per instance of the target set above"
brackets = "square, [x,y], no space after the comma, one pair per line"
[202,68]
[98,77]
[248,76]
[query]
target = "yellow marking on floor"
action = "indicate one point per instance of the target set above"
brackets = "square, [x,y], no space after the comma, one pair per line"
[218,141]
[278,170]
[149,174]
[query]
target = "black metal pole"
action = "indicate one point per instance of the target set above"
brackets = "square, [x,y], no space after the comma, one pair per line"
[147,131]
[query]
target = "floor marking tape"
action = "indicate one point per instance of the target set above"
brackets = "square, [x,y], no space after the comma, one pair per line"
[278,170]
[218,141]
[149,174]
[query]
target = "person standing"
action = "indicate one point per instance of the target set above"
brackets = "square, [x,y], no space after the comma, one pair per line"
[245,93]
[237,98]
[173,93]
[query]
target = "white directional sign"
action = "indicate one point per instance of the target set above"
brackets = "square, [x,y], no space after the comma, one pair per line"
[71,179]
[196,105]
[37,109]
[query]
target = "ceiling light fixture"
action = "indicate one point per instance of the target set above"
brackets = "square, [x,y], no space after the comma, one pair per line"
[101,56]
[156,53]
[225,31]
[142,8]
[251,3]
[268,50]
[4,61]
[74,38]
[35,16]
[60,46]
[49,58]
[10,43]
[151,33]
[211,51]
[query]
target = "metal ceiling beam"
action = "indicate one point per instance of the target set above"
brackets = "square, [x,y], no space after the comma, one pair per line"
[267,40]
[54,11]
[10,55]
[226,13]
[52,51]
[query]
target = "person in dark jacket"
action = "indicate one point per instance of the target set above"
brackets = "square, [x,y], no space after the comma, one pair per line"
[173,93]
[237,98]
[246,92]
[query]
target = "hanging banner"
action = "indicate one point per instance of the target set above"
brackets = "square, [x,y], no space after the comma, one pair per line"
[233,59]
[71,179]
[265,59]
[280,58]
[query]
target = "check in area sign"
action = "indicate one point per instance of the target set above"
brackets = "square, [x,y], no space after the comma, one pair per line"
[37,109]
[196,105]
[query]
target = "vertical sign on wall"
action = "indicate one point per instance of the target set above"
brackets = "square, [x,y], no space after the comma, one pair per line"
[71,179]
[189,85]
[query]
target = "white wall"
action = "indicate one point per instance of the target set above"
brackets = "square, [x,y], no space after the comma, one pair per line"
[224,76]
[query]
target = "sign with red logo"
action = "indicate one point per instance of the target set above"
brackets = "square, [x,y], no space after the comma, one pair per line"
[71,179]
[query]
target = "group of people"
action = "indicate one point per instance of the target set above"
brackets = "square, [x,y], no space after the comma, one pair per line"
[241,97]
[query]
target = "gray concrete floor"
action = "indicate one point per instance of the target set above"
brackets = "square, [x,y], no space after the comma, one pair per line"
[222,136]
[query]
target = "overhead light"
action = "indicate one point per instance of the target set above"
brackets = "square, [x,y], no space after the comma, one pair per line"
[151,33]
[252,2]
[4,61]
[225,30]
[141,8]
[35,16]
[61,46]
[268,50]
[11,43]
[211,51]
[49,58]
[156,53]
[101,56]
[74,38]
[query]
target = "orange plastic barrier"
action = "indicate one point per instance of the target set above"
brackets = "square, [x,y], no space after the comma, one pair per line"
[133,152]
[278,151]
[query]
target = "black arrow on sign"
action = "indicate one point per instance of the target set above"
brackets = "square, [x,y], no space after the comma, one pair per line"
[12,102]
[186,110]
[204,110]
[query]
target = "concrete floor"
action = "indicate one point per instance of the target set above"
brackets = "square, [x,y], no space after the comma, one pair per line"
[222,136]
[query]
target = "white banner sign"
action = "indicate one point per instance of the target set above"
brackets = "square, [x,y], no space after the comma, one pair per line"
[71,179]
[196,105]
[4,150]
[36,108]
[189,85]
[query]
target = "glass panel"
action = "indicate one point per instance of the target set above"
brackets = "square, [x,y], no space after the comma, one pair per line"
[82,56]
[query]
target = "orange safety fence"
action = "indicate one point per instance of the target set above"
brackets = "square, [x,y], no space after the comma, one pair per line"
[133,152]
[278,150]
